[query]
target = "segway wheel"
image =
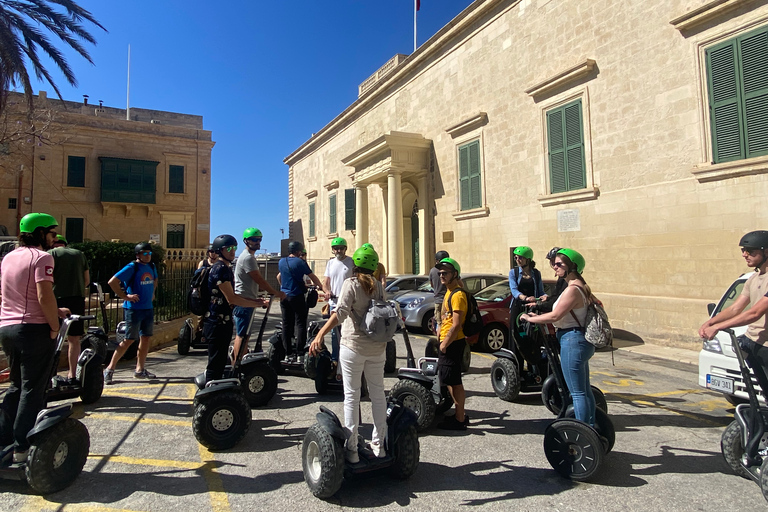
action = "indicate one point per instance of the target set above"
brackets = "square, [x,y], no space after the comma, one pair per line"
[98,345]
[732,447]
[322,459]
[416,398]
[406,453]
[275,354]
[390,365]
[259,382]
[323,371]
[504,379]
[600,401]
[185,338]
[466,358]
[94,382]
[222,420]
[550,396]
[57,456]
[764,478]
[604,427]
[310,366]
[573,449]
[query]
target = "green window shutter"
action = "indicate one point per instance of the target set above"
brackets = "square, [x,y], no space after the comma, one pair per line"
[128,181]
[174,236]
[475,183]
[753,49]
[75,171]
[73,230]
[332,216]
[311,219]
[724,108]
[176,179]
[464,191]
[565,137]
[349,208]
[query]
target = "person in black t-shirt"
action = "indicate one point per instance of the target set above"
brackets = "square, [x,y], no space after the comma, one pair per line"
[217,324]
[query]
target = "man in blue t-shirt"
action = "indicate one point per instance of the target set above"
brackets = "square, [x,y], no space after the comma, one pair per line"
[294,306]
[140,278]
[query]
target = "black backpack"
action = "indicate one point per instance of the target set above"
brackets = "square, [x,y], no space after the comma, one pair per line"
[199,294]
[473,322]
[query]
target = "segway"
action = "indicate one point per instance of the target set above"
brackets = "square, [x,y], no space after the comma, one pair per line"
[59,444]
[112,343]
[191,337]
[574,449]
[89,379]
[744,443]
[432,351]
[222,408]
[322,453]
[297,361]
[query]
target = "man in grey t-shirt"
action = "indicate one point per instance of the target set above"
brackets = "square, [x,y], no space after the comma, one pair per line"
[248,279]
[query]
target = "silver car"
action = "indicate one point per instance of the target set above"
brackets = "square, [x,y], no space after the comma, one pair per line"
[404,283]
[418,306]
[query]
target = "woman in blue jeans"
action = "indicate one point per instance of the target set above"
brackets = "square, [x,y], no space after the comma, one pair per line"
[568,315]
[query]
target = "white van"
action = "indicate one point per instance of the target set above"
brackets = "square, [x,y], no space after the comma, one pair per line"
[718,366]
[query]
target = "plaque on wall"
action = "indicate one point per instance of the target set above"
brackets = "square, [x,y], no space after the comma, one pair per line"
[154,238]
[447,237]
[568,220]
[203,227]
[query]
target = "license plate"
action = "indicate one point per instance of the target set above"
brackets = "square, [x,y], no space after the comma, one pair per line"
[720,384]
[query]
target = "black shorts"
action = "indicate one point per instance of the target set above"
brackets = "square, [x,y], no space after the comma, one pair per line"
[449,364]
[77,306]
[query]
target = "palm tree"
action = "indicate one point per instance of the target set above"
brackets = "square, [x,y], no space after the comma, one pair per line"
[23,24]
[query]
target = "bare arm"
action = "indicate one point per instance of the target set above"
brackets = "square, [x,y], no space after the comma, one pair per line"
[114,283]
[326,284]
[87,277]
[237,300]
[567,303]
[744,318]
[319,285]
[728,313]
[279,279]
[451,336]
[47,301]
[317,343]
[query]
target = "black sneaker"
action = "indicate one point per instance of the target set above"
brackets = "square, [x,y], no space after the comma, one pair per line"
[451,423]
[466,419]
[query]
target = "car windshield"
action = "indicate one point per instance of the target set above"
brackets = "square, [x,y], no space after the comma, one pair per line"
[391,280]
[494,293]
[426,287]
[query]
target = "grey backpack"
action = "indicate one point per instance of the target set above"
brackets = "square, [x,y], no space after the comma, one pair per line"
[381,319]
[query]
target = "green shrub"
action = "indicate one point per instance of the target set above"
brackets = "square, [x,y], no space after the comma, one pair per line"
[107,258]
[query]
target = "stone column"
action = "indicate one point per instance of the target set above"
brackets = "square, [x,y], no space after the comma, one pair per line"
[361,215]
[395,223]
[424,258]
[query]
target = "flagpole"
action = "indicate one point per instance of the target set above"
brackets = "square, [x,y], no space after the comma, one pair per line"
[414,24]
[128,89]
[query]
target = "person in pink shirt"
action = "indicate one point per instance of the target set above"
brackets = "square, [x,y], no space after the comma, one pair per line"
[29,324]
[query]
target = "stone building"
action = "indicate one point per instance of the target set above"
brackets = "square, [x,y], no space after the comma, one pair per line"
[104,177]
[634,132]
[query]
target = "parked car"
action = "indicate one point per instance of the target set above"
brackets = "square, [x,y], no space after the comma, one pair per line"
[404,283]
[493,303]
[418,306]
[718,366]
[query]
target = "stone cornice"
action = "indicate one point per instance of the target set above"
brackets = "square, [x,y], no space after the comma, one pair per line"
[467,125]
[389,141]
[332,185]
[311,194]
[573,196]
[706,12]
[715,172]
[564,77]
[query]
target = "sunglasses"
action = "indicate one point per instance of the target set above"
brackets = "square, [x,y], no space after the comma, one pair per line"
[559,264]
[230,248]
[146,253]
[444,273]
[255,239]
[749,250]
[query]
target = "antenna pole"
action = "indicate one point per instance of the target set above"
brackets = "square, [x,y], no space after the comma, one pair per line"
[128,93]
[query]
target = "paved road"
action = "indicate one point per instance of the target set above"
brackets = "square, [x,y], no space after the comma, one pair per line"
[145,458]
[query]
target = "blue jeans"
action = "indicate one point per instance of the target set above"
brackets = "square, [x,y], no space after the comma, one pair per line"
[335,338]
[575,352]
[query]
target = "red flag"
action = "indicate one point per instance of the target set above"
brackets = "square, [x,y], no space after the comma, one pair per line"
[418,4]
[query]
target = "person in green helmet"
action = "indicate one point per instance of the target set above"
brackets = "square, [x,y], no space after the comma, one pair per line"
[359,353]
[569,315]
[380,274]
[337,270]
[29,324]
[527,287]
[248,279]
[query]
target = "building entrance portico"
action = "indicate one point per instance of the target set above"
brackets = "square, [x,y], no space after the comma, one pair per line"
[398,163]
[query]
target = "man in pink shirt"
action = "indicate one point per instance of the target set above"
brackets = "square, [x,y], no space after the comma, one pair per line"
[29,324]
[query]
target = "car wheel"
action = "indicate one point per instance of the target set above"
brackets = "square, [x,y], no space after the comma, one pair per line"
[426,322]
[493,337]
[466,358]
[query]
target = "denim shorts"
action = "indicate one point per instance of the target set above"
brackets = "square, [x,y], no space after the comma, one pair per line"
[242,318]
[139,322]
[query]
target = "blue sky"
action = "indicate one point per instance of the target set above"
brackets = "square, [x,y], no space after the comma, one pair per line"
[264,75]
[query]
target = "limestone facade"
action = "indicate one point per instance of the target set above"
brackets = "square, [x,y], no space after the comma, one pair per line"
[60,172]
[656,220]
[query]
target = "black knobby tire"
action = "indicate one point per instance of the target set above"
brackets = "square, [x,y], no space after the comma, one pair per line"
[222,420]
[493,337]
[275,354]
[764,478]
[573,449]
[446,402]
[426,322]
[310,366]
[418,399]
[390,365]
[94,382]
[185,338]
[406,453]
[732,447]
[322,460]
[98,345]
[466,358]
[504,379]
[600,401]
[550,396]
[259,382]
[57,456]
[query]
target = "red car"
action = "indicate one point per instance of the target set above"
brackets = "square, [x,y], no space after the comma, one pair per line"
[493,302]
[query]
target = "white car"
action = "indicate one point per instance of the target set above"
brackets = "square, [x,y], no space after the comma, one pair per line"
[718,366]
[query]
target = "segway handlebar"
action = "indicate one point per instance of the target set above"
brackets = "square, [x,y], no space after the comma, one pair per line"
[64,327]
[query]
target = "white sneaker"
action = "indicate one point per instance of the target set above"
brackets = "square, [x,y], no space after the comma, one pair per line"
[352,456]
[378,450]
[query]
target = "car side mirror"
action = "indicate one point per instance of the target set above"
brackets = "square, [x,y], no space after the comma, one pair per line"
[711,308]
[394,289]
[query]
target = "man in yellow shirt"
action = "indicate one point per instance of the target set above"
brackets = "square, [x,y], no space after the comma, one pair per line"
[452,341]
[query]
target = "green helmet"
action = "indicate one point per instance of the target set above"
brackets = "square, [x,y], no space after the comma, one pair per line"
[249,232]
[31,221]
[367,246]
[524,251]
[338,241]
[366,257]
[575,257]
[61,239]
[449,261]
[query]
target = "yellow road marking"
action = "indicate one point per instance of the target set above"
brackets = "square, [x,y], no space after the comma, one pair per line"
[160,463]
[675,392]
[133,419]
[146,397]
[708,405]
[483,355]
[149,386]
[624,383]
[605,374]
[630,398]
